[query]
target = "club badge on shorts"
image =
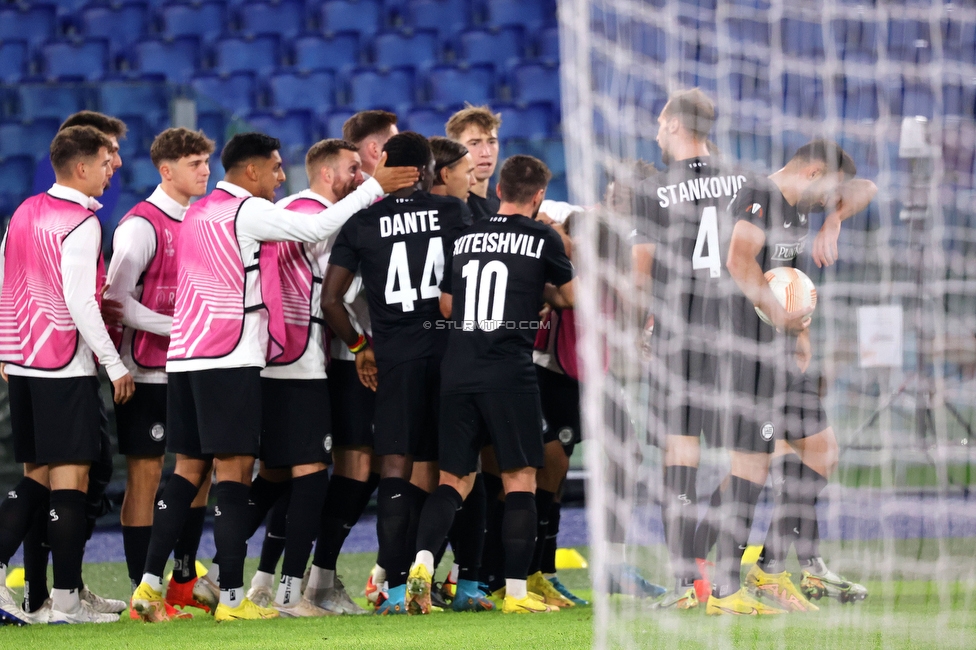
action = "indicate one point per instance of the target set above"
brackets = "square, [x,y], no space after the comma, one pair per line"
[327,443]
[767,431]
[157,432]
[566,435]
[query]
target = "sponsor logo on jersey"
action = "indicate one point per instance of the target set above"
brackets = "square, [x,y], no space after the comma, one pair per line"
[158,431]
[787,252]
[767,431]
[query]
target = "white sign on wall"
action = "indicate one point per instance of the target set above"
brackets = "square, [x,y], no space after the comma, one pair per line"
[880,336]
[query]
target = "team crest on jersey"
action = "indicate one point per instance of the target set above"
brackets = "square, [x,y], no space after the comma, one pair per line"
[566,435]
[767,431]
[158,432]
[327,443]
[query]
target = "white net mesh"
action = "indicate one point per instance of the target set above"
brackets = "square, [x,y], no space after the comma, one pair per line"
[893,334]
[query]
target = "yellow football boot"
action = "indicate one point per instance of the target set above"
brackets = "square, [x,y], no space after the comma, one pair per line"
[418,590]
[537,584]
[739,604]
[778,588]
[246,611]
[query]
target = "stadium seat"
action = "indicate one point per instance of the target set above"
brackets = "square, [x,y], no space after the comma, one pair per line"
[361,16]
[29,139]
[749,81]
[149,100]
[751,147]
[51,101]
[536,83]
[426,121]
[803,96]
[960,41]
[747,30]
[86,60]
[293,128]
[338,52]
[333,123]
[605,22]
[558,189]
[553,152]
[387,89]
[649,40]
[35,25]
[234,93]
[140,175]
[138,136]
[205,21]
[452,86]
[547,46]
[533,15]
[122,25]
[959,99]
[175,59]
[314,92]
[284,19]
[533,122]
[418,50]
[909,98]
[213,124]
[856,40]
[503,47]
[909,40]
[857,98]
[16,176]
[802,39]
[258,55]
[447,17]
[13,61]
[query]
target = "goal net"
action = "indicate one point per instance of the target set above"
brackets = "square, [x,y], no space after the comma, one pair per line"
[893,82]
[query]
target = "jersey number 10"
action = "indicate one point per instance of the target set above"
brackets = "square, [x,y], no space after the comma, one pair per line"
[479,297]
[399,288]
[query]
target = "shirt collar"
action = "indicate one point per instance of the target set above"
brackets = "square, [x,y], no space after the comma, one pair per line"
[309,194]
[236,190]
[71,194]
[167,204]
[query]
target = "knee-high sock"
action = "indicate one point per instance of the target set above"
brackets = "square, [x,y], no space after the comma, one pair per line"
[344,505]
[518,533]
[135,542]
[794,512]
[552,538]
[418,498]
[738,508]
[437,517]
[36,552]
[543,506]
[230,532]
[66,532]
[185,551]
[262,496]
[679,509]
[707,532]
[168,519]
[392,522]
[99,476]
[304,513]
[17,514]
[469,525]
[493,556]
[275,534]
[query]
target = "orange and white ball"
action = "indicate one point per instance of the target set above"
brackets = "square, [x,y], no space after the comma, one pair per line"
[792,288]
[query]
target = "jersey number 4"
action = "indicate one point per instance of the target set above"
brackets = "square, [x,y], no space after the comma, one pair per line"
[399,288]
[708,239]
[484,307]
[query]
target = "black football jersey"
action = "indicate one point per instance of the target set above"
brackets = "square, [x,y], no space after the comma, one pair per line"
[483,208]
[401,246]
[500,268]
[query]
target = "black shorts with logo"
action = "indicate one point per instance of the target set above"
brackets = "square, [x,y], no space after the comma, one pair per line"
[141,422]
[407,403]
[296,423]
[511,422]
[560,395]
[352,404]
[214,412]
[56,420]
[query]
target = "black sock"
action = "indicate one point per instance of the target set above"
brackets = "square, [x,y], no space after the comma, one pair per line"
[543,506]
[548,565]
[418,498]
[135,542]
[807,542]
[172,508]
[738,509]
[707,532]
[437,517]
[344,505]
[185,551]
[99,476]
[305,509]
[275,533]
[470,532]
[36,553]
[784,472]
[17,515]
[261,497]
[679,509]
[230,532]
[392,522]
[492,558]
[66,530]
[518,533]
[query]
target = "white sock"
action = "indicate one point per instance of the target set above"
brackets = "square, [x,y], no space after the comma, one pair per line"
[65,600]
[232,597]
[427,559]
[319,578]
[214,573]
[262,579]
[289,590]
[549,576]
[515,588]
[452,576]
[153,581]
[3,574]
[379,574]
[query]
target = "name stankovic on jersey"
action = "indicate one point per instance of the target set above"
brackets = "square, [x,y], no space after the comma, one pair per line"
[697,189]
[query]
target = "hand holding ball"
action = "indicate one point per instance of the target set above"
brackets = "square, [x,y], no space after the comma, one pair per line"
[793,289]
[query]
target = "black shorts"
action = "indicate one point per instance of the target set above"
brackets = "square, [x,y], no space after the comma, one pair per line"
[141,422]
[295,422]
[685,397]
[560,398]
[214,412]
[407,403]
[511,422]
[352,404]
[773,403]
[56,420]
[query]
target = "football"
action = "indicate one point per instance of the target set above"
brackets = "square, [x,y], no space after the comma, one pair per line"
[792,288]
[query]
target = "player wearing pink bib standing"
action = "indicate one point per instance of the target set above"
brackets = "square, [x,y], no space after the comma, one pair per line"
[51,330]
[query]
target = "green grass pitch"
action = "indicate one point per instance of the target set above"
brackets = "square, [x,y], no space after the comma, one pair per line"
[900,614]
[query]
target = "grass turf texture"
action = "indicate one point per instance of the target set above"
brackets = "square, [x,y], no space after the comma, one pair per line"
[899,614]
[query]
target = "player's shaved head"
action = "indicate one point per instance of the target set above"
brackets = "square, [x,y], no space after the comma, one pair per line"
[521,179]
[834,158]
[693,109]
[111,126]
[246,146]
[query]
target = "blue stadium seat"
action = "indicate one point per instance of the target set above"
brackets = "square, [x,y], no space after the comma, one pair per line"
[533,122]
[28,139]
[533,15]
[748,81]
[314,92]
[857,98]
[606,22]
[34,25]
[802,39]
[205,21]
[293,128]
[553,152]
[448,17]
[140,175]
[418,50]
[960,41]
[86,60]
[856,40]
[558,189]
[284,19]
[909,40]
[803,96]
[387,89]
[451,86]
[751,147]
[361,16]
[649,40]
[502,47]
[536,83]
[747,30]
[149,100]
[426,121]
[17,176]
[176,59]
[13,61]
[259,55]
[51,101]
[333,123]
[959,99]
[908,98]
[121,25]
[214,125]
[234,93]
[547,47]
[138,136]
[337,52]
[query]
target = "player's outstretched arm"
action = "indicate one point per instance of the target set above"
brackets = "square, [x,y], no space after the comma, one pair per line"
[851,197]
